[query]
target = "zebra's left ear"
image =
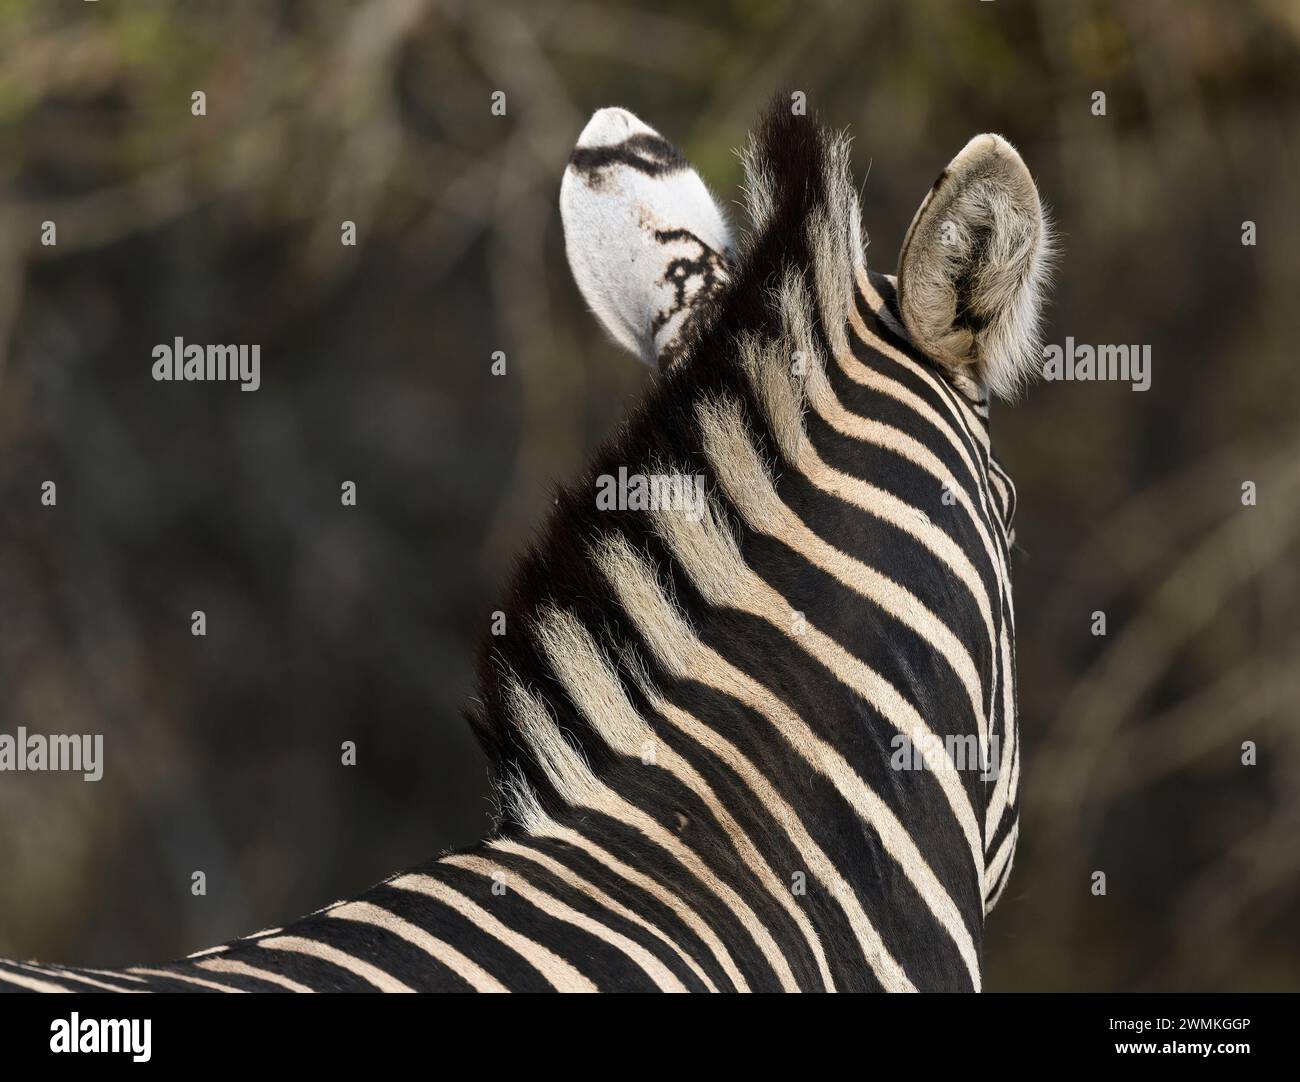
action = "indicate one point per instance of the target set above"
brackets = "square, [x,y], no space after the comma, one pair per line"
[975,265]
[646,241]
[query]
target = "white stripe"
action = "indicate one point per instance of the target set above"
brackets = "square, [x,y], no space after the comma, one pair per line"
[889,508]
[887,970]
[553,907]
[882,383]
[711,557]
[309,947]
[956,403]
[80,978]
[746,481]
[121,975]
[562,976]
[1005,855]
[688,915]
[584,671]
[468,970]
[574,781]
[648,606]
[869,430]
[30,983]
[1002,787]
[243,969]
[573,879]
[185,978]
[691,658]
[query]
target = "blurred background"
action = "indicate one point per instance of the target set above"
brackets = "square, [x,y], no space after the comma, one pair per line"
[328,623]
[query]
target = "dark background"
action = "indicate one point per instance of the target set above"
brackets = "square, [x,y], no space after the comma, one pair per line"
[328,623]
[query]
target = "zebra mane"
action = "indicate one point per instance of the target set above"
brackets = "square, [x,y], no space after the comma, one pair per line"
[758,351]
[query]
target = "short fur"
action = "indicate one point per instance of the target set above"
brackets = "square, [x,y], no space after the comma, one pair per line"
[975,264]
[803,231]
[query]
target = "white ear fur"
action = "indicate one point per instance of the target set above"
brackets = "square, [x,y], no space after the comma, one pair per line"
[646,241]
[974,267]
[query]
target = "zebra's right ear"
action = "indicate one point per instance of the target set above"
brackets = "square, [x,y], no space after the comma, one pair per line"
[647,243]
[974,267]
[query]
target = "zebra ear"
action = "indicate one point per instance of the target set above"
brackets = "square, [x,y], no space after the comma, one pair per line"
[646,241]
[974,267]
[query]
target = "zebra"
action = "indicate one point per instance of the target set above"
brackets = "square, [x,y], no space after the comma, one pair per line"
[765,738]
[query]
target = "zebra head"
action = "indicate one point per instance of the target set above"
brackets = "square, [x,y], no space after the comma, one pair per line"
[650,247]
[855,504]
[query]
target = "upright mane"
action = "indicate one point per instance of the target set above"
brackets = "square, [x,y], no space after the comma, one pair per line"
[792,282]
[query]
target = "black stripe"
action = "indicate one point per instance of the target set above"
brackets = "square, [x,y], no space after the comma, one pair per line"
[637,899]
[576,898]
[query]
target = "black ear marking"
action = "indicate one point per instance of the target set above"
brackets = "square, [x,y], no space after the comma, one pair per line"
[648,243]
[967,316]
[650,154]
[695,282]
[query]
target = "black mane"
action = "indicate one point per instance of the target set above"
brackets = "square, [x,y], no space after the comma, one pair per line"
[788,169]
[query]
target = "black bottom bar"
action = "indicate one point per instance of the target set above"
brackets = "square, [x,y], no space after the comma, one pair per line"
[343,1032]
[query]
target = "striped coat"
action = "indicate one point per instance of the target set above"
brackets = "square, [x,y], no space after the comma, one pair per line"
[761,736]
